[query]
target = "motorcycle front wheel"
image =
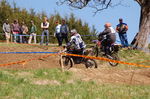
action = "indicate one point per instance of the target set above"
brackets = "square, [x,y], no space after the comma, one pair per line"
[66,62]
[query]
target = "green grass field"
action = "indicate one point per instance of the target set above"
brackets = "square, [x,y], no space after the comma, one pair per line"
[54,84]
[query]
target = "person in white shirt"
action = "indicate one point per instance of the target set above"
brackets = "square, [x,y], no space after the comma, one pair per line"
[45,26]
[77,42]
[57,33]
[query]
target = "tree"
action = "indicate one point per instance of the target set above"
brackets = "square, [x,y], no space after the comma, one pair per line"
[22,14]
[141,40]
[72,21]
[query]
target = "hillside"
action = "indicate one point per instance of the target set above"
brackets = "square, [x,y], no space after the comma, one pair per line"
[42,78]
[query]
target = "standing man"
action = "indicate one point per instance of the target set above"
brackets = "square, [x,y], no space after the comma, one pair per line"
[24,32]
[16,30]
[32,32]
[122,31]
[64,30]
[7,30]
[45,26]
[57,33]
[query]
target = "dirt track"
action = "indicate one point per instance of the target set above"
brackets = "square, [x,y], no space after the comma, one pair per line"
[101,75]
[48,62]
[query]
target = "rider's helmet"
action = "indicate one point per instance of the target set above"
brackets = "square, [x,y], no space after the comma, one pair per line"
[107,25]
[73,32]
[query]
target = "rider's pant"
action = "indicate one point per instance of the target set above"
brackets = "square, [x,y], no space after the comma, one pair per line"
[106,43]
[78,52]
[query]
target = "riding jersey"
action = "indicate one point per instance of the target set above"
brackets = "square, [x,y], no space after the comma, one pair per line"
[109,32]
[77,41]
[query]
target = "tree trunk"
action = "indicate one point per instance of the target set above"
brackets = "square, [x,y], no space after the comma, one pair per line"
[141,40]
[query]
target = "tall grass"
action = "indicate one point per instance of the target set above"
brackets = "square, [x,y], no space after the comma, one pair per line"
[21,85]
[134,56]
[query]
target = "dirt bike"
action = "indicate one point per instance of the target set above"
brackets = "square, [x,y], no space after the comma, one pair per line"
[98,50]
[69,61]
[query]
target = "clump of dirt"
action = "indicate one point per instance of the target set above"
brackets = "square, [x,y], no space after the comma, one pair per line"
[46,82]
[24,74]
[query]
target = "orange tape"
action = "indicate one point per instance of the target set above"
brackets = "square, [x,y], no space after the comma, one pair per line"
[24,61]
[106,59]
[90,57]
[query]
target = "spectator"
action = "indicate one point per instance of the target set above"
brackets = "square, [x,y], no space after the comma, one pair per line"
[16,30]
[45,26]
[122,31]
[33,30]
[57,33]
[24,31]
[64,31]
[7,30]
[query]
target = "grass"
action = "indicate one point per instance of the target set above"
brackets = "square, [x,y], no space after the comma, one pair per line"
[134,56]
[13,85]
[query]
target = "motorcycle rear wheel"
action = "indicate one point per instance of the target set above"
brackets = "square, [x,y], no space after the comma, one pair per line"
[90,63]
[113,57]
[94,51]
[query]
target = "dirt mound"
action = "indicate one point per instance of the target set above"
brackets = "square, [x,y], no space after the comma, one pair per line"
[107,75]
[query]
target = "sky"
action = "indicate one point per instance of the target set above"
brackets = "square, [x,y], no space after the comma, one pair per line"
[129,10]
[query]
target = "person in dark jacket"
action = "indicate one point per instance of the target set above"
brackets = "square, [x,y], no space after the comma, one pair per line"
[16,30]
[64,30]
[110,35]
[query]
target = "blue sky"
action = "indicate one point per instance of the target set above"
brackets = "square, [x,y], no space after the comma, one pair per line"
[130,12]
